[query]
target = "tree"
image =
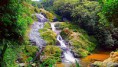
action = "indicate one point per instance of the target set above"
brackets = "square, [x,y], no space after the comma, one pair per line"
[109,9]
[14,20]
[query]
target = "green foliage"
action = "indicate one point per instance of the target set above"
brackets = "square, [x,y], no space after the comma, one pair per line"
[52,53]
[27,53]
[48,35]
[64,34]
[47,3]
[95,18]
[10,57]
[48,14]
[109,9]
[104,32]
[58,26]
[77,64]
[49,61]
[31,50]
[107,38]
[15,18]
[11,53]
[16,52]
[47,25]
[78,38]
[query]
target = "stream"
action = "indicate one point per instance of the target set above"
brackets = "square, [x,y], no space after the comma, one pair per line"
[34,35]
[35,38]
[67,55]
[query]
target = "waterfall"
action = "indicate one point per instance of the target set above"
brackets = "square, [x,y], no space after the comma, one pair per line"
[53,27]
[59,38]
[67,53]
[34,35]
[68,56]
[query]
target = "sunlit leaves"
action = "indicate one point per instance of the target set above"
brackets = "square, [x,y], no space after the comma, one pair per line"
[109,9]
[15,18]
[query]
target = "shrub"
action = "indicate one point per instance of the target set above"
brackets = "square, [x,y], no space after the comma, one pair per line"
[52,53]
[31,50]
[79,39]
[47,25]
[15,18]
[10,57]
[47,14]
[49,36]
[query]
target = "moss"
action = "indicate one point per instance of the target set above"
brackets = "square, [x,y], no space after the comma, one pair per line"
[97,63]
[47,25]
[64,34]
[52,54]
[49,15]
[82,52]
[52,50]
[31,50]
[48,35]
[59,26]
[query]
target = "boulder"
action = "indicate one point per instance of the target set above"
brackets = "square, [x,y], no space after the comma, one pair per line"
[112,61]
[96,64]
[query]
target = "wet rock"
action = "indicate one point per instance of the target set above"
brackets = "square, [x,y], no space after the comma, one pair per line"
[55,19]
[62,56]
[93,65]
[76,55]
[34,64]
[97,64]
[111,64]
[57,43]
[19,60]
[22,64]
[115,65]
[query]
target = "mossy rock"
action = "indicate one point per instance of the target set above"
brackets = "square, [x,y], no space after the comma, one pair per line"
[52,50]
[82,52]
[47,25]
[48,15]
[49,36]
[52,53]
[97,64]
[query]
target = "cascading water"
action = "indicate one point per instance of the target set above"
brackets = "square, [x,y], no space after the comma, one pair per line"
[35,38]
[59,38]
[68,56]
[34,35]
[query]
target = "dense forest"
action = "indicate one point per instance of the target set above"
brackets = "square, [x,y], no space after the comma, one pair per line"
[58,33]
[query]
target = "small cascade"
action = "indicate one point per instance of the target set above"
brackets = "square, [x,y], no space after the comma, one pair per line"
[53,27]
[34,35]
[68,56]
[41,18]
[62,44]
